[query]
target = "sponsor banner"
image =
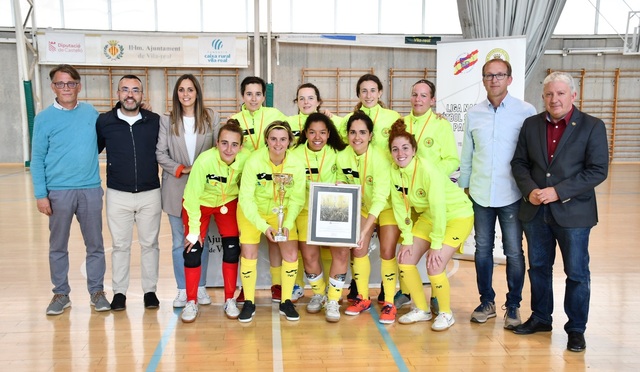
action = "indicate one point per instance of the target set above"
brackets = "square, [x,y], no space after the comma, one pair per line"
[217,51]
[61,47]
[144,50]
[459,88]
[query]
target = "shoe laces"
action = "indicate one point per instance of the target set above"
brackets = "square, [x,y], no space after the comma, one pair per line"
[387,309]
[56,297]
[511,311]
[96,295]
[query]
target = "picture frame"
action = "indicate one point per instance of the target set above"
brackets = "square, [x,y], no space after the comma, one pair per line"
[334,215]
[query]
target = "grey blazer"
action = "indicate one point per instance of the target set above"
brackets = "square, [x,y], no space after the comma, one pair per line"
[580,163]
[171,153]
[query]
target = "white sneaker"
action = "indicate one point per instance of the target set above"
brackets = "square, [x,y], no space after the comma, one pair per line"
[190,312]
[203,296]
[315,305]
[332,311]
[414,316]
[231,309]
[298,293]
[443,322]
[181,298]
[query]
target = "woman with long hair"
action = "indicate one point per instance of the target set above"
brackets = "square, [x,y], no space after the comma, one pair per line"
[443,222]
[362,164]
[259,198]
[187,131]
[437,146]
[317,149]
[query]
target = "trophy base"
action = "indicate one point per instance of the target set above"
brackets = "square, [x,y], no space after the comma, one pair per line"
[280,238]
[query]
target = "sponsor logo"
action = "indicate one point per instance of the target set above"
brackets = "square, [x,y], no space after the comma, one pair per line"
[421,193]
[217,44]
[369,180]
[497,53]
[385,132]
[113,50]
[464,62]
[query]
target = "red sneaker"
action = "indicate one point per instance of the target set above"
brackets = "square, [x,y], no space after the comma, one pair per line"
[276,293]
[388,313]
[240,298]
[358,306]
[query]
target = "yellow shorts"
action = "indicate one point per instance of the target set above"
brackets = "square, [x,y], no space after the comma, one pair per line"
[302,225]
[249,234]
[455,234]
[385,217]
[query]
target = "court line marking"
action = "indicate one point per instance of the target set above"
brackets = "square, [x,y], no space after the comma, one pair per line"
[276,340]
[166,336]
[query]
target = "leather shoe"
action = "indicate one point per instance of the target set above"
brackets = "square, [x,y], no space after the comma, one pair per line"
[532,326]
[576,342]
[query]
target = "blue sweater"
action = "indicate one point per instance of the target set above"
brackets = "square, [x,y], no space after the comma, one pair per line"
[64,151]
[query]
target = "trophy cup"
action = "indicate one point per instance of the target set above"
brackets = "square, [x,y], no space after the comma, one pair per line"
[281,179]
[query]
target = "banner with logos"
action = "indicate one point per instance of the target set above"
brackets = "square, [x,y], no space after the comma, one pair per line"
[459,87]
[143,50]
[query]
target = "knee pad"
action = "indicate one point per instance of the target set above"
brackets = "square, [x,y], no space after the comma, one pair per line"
[231,249]
[194,257]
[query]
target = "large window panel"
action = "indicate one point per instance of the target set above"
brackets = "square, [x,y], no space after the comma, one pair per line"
[577,18]
[615,12]
[313,19]
[179,16]
[224,16]
[401,17]
[47,13]
[82,14]
[136,15]
[357,17]
[441,17]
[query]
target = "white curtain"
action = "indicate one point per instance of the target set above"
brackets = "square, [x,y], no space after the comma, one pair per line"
[535,19]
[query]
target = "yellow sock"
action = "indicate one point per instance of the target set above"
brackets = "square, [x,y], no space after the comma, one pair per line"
[411,277]
[276,273]
[289,272]
[318,285]
[441,291]
[325,257]
[403,287]
[300,276]
[361,272]
[335,289]
[248,277]
[388,270]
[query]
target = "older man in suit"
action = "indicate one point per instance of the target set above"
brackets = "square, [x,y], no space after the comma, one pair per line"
[561,156]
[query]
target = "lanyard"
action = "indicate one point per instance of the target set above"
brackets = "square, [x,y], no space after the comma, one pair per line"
[306,155]
[405,198]
[256,143]
[425,125]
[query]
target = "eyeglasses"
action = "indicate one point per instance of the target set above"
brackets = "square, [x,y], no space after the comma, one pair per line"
[489,77]
[133,91]
[69,84]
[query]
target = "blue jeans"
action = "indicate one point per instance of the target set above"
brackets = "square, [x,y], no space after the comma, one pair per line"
[542,234]
[177,237]
[485,231]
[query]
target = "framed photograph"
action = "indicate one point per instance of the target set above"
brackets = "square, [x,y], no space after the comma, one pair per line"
[334,215]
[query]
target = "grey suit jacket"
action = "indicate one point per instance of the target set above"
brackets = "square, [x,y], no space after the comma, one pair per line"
[580,163]
[171,153]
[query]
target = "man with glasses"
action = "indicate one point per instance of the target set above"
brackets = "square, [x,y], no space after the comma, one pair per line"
[66,182]
[129,133]
[490,137]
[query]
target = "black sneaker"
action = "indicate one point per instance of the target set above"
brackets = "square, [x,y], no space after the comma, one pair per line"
[381,295]
[247,313]
[353,291]
[288,309]
[119,302]
[151,301]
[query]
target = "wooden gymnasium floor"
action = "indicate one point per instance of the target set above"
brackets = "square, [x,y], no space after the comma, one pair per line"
[135,339]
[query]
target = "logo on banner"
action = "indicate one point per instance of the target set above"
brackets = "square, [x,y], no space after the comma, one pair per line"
[52,46]
[464,62]
[217,44]
[497,53]
[113,50]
